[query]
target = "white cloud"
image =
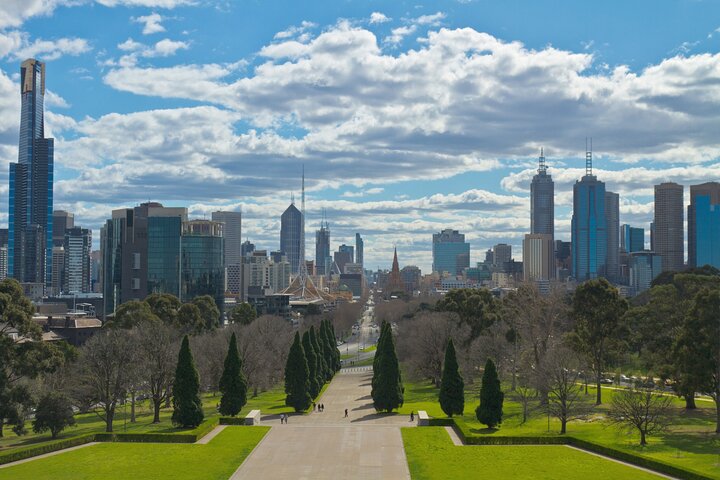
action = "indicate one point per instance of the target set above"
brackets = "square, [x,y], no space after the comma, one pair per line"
[167,47]
[398,34]
[14,12]
[147,3]
[48,50]
[151,23]
[369,191]
[295,30]
[52,99]
[163,48]
[433,20]
[378,17]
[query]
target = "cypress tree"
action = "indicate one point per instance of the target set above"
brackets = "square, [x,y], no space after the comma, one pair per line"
[452,387]
[297,384]
[187,406]
[233,385]
[327,350]
[388,390]
[322,367]
[378,355]
[335,349]
[311,358]
[490,410]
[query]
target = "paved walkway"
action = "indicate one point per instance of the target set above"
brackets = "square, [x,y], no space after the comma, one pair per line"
[327,445]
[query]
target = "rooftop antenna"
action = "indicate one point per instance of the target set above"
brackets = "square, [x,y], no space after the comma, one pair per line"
[588,157]
[292,198]
[542,168]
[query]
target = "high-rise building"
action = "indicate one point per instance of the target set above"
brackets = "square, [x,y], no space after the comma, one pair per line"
[246,248]
[612,221]
[359,250]
[538,257]
[31,186]
[502,254]
[344,255]
[451,253]
[632,239]
[411,276]
[542,201]
[589,226]
[644,267]
[233,235]
[667,230]
[202,266]
[62,220]
[58,271]
[291,223]
[76,270]
[3,262]
[323,260]
[704,225]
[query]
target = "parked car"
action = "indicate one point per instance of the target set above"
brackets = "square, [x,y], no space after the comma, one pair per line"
[606,381]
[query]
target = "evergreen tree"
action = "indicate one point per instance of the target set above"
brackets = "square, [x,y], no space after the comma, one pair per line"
[297,384]
[311,358]
[54,412]
[490,410]
[378,355]
[387,390]
[187,406]
[233,385]
[452,388]
[335,349]
[327,350]
[322,367]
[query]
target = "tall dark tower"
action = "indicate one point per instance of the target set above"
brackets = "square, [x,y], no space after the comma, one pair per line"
[323,260]
[290,236]
[542,201]
[31,186]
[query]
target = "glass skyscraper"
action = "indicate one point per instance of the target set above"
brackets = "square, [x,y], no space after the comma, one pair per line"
[703,216]
[450,252]
[30,238]
[359,250]
[542,201]
[291,223]
[589,226]
[323,260]
[612,223]
[203,262]
[632,239]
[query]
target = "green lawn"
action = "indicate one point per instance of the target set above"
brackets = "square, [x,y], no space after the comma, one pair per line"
[689,443]
[431,455]
[216,460]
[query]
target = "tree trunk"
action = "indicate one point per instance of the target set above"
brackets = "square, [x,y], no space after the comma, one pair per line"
[157,403]
[255,391]
[643,442]
[2,424]
[109,415]
[132,407]
[717,414]
[167,399]
[690,401]
[598,397]
[563,426]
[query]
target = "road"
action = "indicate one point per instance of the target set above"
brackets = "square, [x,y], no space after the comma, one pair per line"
[364,337]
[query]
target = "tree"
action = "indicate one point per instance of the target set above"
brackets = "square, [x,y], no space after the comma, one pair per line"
[561,374]
[322,367]
[187,406]
[641,409]
[165,306]
[103,371]
[157,344]
[475,307]
[452,388]
[243,314]
[597,310]
[297,383]
[233,385]
[54,412]
[698,346]
[379,349]
[132,313]
[312,361]
[209,311]
[387,392]
[490,410]
[189,318]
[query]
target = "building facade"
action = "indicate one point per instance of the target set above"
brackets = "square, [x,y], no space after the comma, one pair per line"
[667,231]
[323,260]
[538,257]
[291,223]
[589,227]
[632,239]
[202,267]
[62,220]
[612,221]
[232,230]
[502,254]
[76,270]
[359,250]
[703,225]
[451,253]
[343,256]
[542,201]
[644,267]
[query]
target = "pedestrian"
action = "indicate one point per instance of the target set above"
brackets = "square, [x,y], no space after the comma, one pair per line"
[346,413]
[323,406]
[313,406]
[412,416]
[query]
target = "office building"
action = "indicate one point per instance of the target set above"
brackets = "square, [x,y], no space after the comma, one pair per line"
[612,221]
[232,230]
[344,255]
[411,277]
[644,267]
[323,260]
[30,229]
[62,220]
[667,229]
[359,249]
[502,254]
[3,262]
[704,225]
[246,248]
[76,270]
[589,226]
[291,223]
[202,267]
[542,201]
[538,257]
[451,253]
[632,239]
[58,271]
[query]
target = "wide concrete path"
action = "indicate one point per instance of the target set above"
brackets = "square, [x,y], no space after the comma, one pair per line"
[327,445]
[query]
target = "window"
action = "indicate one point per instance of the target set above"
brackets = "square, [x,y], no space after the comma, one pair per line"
[136,284]
[136,261]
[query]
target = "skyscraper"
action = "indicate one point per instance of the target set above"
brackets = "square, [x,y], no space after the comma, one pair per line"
[644,267]
[451,253]
[588,226]
[233,235]
[502,254]
[31,185]
[344,255]
[323,260]
[76,271]
[202,267]
[704,225]
[542,201]
[612,221]
[632,239]
[538,257]
[290,236]
[62,220]
[359,250]
[666,232]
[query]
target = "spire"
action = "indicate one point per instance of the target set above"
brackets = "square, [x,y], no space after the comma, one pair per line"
[542,168]
[588,157]
[395,265]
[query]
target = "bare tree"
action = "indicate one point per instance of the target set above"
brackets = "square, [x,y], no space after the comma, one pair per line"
[209,350]
[641,409]
[103,370]
[561,373]
[157,345]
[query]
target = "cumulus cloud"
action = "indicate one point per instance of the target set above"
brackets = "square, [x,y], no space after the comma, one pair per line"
[151,23]
[162,48]
[18,46]
[378,17]
[295,30]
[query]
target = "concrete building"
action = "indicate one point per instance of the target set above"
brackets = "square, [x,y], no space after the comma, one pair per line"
[542,201]
[704,225]
[502,253]
[233,235]
[612,220]
[323,260]
[411,276]
[667,230]
[58,271]
[451,253]
[538,257]
[62,220]
[343,256]
[359,250]
[76,266]
[246,248]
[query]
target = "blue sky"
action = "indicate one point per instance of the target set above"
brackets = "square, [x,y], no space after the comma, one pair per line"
[409,117]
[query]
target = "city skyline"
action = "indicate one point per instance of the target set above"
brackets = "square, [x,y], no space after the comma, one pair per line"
[395,183]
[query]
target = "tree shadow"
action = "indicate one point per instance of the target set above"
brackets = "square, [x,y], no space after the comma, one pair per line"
[364,407]
[373,416]
[366,397]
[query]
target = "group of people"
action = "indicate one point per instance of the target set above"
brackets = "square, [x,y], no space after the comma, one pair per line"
[319,407]
[284,418]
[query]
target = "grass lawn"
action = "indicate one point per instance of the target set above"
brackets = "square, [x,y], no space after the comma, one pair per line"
[431,455]
[216,460]
[690,442]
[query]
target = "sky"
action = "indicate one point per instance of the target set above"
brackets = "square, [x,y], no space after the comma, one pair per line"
[408,117]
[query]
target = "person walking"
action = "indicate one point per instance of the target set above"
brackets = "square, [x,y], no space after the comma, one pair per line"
[346,413]
[412,416]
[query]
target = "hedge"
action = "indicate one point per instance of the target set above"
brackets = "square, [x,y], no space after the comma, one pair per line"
[441,422]
[232,420]
[189,436]
[23,453]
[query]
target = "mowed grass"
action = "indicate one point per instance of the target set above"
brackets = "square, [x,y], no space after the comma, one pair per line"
[689,443]
[432,456]
[216,460]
